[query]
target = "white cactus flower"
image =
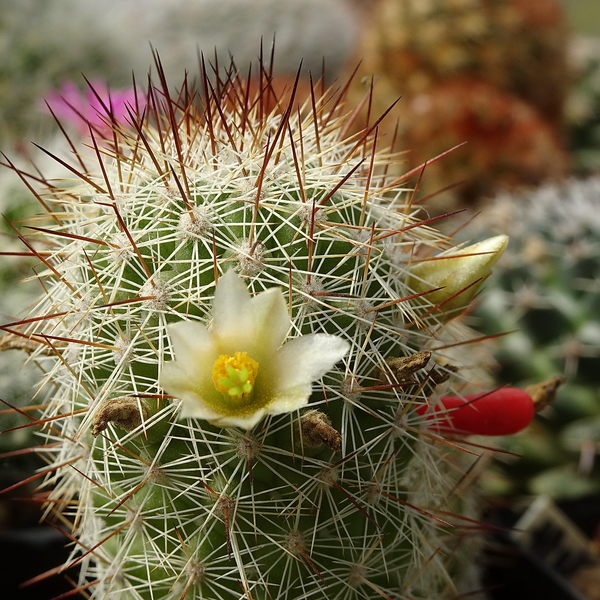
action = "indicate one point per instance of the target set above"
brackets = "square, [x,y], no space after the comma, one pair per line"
[238,371]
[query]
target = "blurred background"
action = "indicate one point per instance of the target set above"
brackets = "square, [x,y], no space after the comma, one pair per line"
[583,15]
[518,80]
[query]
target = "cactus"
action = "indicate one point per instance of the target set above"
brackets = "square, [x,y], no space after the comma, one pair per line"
[264,226]
[545,292]
[517,46]
[492,73]
[47,45]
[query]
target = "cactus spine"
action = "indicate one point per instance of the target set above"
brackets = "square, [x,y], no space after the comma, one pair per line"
[350,499]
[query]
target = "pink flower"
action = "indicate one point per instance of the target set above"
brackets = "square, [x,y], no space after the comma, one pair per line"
[96,106]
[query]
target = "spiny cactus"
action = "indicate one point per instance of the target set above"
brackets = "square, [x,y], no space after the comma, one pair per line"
[264,226]
[545,293]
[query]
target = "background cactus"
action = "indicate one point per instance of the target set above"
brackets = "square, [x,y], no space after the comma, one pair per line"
[370,503]
[545,293]
[514,45]
[583,108]
[492,73]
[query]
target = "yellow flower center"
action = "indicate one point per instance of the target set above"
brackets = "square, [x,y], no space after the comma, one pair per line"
[234,376]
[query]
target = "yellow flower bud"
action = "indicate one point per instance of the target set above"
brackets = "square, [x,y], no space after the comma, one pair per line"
[457,273]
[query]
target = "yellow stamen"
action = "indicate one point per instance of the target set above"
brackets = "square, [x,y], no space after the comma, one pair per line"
[234,376]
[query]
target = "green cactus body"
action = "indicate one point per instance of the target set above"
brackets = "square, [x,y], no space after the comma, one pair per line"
[165,507]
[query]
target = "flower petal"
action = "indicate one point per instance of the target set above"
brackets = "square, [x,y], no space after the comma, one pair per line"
[191,373]
[177,381]
[174,379]
[245,422]
[271,321]
[232,323]
[193,407]
[193,344]
[306,359]
[290,399]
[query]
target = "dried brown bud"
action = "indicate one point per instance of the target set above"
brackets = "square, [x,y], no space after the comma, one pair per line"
[316,429]
[441,374]
[543,393]
[401,370]
[127,412]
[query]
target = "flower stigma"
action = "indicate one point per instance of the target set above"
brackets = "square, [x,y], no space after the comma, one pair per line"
[234,376]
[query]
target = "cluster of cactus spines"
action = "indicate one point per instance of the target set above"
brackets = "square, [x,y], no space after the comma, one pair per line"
[353,498]
[545,293]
